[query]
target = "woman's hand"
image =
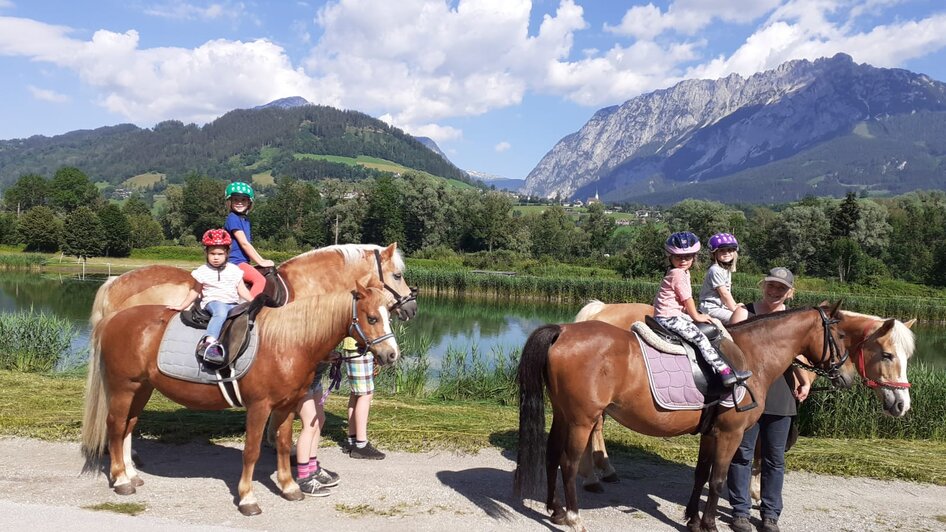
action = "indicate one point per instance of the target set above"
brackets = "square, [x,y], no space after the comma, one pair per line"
[175,308]
[801,391]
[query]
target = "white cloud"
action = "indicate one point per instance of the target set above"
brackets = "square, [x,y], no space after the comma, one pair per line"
[6,3]
[47,95]
[502,146]
[687,17]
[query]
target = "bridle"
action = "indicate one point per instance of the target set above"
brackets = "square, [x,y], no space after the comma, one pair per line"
[399,300]
[354,328]
[860,364]
[830,352]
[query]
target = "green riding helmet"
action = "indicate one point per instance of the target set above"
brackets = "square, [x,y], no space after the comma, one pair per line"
[240,188]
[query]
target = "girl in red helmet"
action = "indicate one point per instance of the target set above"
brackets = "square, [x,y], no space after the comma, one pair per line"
[220,287]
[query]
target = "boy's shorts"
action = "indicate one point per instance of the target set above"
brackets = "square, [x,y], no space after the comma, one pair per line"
[316,387]
[720,313]
[360,373]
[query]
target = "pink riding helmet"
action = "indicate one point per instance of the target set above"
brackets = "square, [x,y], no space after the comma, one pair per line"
[682,243]
[723,240]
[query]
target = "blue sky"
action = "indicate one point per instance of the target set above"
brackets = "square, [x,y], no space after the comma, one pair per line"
[495,82]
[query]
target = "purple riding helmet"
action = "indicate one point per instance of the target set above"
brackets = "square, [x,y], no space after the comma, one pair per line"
[723,240]
[682,243]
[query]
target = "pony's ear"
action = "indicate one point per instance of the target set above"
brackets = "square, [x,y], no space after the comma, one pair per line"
[835,309]
[388,252]
[824,303]
[882,330]
[910,323]
[360,289]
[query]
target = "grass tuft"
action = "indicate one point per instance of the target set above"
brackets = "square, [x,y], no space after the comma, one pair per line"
[127,508]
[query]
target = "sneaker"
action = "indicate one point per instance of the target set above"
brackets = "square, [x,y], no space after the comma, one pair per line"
[326,478]
[214,354]
[368,452]
[769,525]
[311,486]
[741,524]
[733,376]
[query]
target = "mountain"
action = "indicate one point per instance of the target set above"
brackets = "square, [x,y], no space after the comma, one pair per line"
[285,137]
[501,183]
[432,146]
[820,127]
[285,103]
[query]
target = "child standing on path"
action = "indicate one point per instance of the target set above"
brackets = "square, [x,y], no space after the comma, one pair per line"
[360,369]
[239,203]
[674,307]
[220,286]
[716,298]
[313,478]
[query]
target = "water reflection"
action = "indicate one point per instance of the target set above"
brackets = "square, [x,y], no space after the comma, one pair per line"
[457,323]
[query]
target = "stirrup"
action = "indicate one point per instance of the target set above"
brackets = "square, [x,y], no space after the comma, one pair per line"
[735,377]
[215,353]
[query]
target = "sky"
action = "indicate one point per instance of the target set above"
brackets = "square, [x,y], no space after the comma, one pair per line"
[496,83]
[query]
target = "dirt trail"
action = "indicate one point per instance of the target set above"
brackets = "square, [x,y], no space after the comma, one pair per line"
[193,486]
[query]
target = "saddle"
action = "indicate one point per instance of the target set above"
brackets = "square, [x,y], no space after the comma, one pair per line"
[235,335]
[707,381]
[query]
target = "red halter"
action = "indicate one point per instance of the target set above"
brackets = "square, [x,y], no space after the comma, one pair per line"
[870,383]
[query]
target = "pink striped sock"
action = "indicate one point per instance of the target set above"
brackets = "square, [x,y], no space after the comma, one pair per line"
[303,470]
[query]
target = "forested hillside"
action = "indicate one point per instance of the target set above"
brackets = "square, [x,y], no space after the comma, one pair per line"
[235,146]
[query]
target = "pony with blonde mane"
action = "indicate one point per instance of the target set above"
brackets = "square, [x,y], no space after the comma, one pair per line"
[881,348]
[293,339]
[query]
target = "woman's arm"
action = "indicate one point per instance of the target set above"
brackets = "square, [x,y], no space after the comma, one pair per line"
[192,295]
[250,251]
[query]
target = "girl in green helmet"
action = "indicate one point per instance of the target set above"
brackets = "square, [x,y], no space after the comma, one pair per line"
[239,202]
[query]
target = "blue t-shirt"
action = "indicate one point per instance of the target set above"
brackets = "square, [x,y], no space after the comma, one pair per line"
[236,222]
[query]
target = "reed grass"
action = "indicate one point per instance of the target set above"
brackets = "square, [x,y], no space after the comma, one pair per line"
[33,342]
[467,375]
[21,261]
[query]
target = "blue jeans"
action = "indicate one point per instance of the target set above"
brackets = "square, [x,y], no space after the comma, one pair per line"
[774,431]
[219,310]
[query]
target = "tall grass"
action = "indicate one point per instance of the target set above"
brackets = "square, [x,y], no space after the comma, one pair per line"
[857,412]
[467,375]
[20,261]
[33,341]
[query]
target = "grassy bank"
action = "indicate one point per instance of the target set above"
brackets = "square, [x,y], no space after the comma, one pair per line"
[50,407]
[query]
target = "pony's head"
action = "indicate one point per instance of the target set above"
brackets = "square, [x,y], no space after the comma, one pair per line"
[831,356]
[371,322]
[881,359]
[391,271]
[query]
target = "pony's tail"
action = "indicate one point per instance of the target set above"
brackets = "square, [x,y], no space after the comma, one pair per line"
[100,307]
[530,459]
[96,408]
[589,311]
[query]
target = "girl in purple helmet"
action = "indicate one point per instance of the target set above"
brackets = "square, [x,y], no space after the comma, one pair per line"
[716,297]
[674,307]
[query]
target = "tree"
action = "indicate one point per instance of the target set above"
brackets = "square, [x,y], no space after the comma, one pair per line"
[553,234]
[800,233]
[705,218]
[645,256]
[171,214]
[490,217]
[426,211]
[135,206]
[83,234]
[8,228]
[202,204]
[383,222]
[117,232]
[30,190]
[70,188]
[872,231]
[39,229]
[599,227]
[845,217]
[145,231]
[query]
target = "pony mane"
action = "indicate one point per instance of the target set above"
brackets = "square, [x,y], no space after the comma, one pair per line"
[902,337]
[281,327]
[351,253]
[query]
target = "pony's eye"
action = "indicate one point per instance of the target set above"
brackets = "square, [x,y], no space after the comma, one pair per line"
[372,320]
[397,276]
[887,356]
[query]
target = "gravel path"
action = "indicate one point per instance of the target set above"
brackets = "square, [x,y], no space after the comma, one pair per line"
[193,486]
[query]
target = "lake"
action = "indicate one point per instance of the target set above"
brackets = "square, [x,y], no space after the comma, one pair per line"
[487,325]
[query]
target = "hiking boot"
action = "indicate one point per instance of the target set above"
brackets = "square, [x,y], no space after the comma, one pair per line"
[325,477]
[214,354]
[368,452]
[741,524]
[733,376]
[311,486]
[769,525]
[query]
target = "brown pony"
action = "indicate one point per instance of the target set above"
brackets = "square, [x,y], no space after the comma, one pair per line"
[592,367]
[314,272]
[881,348]
[293,339]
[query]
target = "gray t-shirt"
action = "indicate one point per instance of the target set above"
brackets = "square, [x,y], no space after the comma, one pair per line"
[716,276]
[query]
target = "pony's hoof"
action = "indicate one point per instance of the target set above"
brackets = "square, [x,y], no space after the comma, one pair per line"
[125,489]
[558,516]
[594,487]
[612,478]
[296,495]
[250,510]
[137,482]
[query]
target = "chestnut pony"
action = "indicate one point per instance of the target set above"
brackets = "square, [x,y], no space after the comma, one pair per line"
[592,367]
[293,339]
[880,351]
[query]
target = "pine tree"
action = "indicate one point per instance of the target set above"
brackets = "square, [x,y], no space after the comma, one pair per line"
[83,234]
[117,230]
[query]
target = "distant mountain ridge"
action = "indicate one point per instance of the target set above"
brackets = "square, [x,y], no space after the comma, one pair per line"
[697,138]
[239,144]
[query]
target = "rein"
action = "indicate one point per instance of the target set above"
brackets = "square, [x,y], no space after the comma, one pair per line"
[862,369]
[830,353]
[399,300]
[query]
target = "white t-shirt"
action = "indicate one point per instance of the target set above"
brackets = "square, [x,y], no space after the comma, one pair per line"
[218,285]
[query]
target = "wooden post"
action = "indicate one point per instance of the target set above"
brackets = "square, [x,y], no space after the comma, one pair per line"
[336,229]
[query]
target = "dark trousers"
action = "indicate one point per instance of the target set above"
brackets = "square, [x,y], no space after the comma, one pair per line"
[774,430]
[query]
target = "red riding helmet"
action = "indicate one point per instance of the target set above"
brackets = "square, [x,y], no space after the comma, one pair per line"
[216,237]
